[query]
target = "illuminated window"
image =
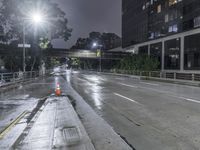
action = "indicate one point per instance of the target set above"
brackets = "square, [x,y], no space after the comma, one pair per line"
[173,2]
[173,28]
[159,9]
[197,22]
[166,18]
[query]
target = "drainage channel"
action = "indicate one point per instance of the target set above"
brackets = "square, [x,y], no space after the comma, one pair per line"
[125,140]
[30,120]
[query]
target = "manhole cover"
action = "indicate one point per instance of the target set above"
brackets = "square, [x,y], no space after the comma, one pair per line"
[71,135]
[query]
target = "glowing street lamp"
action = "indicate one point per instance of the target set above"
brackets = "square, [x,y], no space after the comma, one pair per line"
[36,18]
[96,45]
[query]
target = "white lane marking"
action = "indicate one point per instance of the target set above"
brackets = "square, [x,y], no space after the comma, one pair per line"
[150,83]
[128,85]
[191,100]
[172,94]
[126,98]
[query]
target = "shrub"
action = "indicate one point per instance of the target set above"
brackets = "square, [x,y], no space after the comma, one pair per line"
[138,63]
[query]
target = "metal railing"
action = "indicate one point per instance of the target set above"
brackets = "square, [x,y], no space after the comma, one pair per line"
[9,78]
[162,75]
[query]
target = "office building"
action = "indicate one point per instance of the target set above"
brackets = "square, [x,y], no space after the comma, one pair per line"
[166,29]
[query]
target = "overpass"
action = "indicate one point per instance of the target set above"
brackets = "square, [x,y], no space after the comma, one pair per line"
[87,54]
[63,53]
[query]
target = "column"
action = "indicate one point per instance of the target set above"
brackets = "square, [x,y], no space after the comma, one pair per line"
[163,56]
[182,54]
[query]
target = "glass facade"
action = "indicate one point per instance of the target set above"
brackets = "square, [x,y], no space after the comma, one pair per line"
[156,52]
[145,20]
[164,21]
[172,54]
[192,52]
[134,22]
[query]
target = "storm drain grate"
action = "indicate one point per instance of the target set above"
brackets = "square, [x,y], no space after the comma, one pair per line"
[71,135]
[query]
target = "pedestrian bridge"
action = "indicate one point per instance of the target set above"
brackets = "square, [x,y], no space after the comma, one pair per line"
[63,53]
[89,54]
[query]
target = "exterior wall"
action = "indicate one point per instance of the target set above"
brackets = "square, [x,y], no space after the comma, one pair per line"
[135,48]
[146,22]
[134,22]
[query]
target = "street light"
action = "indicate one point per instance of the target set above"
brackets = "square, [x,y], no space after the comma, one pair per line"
[96,45]
[36,18]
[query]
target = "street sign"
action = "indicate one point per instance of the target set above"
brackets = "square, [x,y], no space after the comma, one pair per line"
[24,45]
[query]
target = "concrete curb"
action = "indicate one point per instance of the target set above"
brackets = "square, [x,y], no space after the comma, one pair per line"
[181,82]
[173,81]
[100,132]
[117,74]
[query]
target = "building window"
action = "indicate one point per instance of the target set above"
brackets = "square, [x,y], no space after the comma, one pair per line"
[172,2]
[173,28]
[143,49]
[152,35]
[159,9]
[197,21]
[147,4]
[157,34]
[143,7]
[156,52]
[166,18]
[192,52]
[170,29]
[172,54]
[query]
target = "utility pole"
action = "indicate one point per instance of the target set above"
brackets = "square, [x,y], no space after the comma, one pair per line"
[100,65]
[24,49]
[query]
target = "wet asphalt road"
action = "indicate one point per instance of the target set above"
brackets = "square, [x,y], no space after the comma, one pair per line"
[150,115]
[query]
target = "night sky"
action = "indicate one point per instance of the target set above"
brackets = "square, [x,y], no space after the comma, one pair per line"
[90,15]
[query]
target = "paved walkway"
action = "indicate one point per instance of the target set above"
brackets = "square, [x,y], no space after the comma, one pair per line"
[57,127]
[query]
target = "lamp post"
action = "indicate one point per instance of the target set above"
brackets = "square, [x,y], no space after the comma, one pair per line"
[24,50]
[36,18]
[99,53]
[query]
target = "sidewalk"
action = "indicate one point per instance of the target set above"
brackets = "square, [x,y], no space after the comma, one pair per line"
[57,127]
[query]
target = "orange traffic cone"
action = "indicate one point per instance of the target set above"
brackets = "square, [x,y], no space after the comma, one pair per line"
[58,90]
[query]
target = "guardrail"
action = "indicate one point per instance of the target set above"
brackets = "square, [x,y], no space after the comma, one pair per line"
[158,74]
[8,78]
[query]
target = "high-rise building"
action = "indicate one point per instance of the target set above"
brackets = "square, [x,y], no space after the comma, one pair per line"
[166,29]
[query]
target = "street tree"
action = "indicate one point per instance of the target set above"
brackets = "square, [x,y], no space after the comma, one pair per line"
[14,14]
